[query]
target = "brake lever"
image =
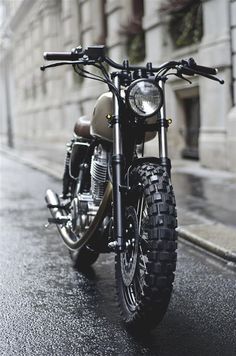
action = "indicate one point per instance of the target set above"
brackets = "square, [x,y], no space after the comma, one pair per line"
[221,81]
[191,71]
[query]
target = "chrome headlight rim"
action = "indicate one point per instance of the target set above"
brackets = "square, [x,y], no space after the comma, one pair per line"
[160,92]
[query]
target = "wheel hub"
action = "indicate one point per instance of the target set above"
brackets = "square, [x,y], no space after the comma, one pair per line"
[130,256]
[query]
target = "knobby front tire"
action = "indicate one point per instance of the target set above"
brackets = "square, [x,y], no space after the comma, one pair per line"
[144,289]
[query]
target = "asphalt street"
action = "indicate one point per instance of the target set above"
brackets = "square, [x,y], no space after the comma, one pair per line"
[46,308]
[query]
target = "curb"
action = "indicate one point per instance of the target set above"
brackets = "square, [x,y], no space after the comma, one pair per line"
[30,163]
[183,233]
[206,245]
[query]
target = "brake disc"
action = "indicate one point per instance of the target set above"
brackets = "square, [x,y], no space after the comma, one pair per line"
[129,257]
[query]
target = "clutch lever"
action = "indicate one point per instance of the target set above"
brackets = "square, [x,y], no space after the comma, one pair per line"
[61,63]
[57,64]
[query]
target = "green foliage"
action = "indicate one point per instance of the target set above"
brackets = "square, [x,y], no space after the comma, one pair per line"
[136,47]
[185,24]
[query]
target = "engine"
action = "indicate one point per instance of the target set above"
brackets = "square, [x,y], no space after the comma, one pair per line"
[98,173]
[84,206]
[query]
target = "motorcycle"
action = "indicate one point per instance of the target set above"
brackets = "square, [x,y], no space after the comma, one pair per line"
[114,199]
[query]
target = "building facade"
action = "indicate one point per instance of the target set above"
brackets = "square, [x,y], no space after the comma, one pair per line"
[45,105]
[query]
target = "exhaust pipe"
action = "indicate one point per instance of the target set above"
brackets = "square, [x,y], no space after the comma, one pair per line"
[72,241]
[53,204]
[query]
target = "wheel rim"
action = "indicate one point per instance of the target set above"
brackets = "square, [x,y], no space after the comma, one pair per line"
[133,260]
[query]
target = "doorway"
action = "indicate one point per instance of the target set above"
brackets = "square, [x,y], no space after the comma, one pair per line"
[191,108]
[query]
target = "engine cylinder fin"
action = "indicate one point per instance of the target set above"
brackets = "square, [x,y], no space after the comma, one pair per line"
[98,172]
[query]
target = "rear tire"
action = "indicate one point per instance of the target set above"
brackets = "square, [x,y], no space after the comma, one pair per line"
[145,271]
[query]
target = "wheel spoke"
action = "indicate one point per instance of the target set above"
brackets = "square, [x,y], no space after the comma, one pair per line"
[142,264]
[140,282]
[134,291]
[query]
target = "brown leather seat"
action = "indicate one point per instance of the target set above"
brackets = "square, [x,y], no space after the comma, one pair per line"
[82,127]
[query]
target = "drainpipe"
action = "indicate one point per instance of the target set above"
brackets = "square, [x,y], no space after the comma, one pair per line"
[232,50]
[10,141]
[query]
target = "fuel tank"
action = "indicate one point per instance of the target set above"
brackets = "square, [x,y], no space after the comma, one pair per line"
[99,124]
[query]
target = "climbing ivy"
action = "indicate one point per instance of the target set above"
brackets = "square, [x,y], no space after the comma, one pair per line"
[185,24]
[136,47]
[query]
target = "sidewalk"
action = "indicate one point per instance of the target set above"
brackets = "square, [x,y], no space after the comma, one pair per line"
[206,199]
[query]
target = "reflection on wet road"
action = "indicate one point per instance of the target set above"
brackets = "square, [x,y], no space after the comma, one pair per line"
[47,308]
[208,197]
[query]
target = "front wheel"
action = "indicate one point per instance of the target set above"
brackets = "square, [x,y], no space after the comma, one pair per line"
[145,271]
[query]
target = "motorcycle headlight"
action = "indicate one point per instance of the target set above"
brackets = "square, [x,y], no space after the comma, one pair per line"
[145,97]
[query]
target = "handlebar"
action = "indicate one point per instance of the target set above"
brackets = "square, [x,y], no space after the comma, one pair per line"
[94,54]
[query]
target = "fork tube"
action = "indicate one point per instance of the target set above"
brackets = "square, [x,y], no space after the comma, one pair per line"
[117,170]
[162,133]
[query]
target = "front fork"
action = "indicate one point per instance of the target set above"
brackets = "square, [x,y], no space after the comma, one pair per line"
[118,165]
[162,134]
[118,173]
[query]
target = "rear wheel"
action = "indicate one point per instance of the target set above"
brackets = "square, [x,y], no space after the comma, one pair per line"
[145,271]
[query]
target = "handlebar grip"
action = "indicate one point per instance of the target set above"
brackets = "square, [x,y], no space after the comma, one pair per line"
[202,69]
[206,70]
[58,56]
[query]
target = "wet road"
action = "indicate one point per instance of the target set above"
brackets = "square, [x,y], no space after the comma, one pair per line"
[46,308]
[211,197]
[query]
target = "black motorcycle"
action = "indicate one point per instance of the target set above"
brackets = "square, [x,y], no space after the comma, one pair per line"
[113,198]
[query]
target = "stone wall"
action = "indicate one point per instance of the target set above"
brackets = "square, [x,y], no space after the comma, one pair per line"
[214,50]
[47,104]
